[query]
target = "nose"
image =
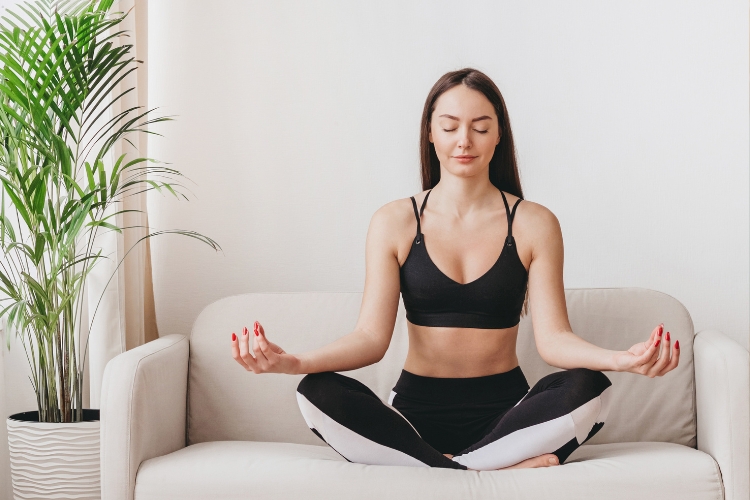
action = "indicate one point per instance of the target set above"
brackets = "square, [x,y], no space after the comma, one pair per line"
[463,139]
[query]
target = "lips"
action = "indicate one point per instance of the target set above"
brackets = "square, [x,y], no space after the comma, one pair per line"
[465,157]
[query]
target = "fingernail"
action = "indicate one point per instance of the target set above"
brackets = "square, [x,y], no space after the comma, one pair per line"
[552,460]
[677,344]
[234,337]
[657,343]
[667,336]
[256,333]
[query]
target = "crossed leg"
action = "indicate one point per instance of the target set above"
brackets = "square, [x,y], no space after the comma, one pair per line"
[353,420]
[558,414]
[562,411]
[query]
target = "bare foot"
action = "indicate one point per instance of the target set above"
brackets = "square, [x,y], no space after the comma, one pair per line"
[546,460]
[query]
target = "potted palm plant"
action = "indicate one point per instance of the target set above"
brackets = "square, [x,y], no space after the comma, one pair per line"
[62,64]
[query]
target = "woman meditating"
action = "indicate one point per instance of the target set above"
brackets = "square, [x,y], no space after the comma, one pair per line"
[467,264]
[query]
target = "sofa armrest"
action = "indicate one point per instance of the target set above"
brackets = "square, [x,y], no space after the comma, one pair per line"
[722,386]
[143,410]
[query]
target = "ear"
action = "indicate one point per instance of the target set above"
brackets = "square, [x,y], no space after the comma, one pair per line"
[429,137]
[499,135]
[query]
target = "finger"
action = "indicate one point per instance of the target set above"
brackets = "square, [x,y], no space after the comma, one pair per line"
[648,358]
[260,333]
[244,352]
[236,351]
[674,361]
[656,332]
[664,358]
[266,349]
[274,347]
[262,360]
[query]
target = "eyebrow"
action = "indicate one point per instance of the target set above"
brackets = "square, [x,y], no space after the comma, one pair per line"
[485,117]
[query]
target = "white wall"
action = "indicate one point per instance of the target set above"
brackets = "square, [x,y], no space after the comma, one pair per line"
[297,120]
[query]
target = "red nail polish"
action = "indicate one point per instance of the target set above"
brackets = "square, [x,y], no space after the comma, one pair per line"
[256,333]
[234,337]
[657,343]
[667,336]
[677,345]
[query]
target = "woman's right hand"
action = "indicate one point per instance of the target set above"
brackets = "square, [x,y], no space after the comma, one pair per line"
[269,357]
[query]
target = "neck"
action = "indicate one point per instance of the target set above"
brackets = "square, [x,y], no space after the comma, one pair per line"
[460,196]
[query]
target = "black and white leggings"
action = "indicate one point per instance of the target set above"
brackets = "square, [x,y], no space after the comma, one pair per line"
[486,423]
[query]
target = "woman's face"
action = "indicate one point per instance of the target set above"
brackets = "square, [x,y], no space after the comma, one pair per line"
[464,130]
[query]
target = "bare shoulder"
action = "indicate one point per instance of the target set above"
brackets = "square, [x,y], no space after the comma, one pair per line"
[394,223]
[537,226]
[394,215]
[536,216]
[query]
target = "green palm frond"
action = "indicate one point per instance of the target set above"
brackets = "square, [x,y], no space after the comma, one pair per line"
[63,64]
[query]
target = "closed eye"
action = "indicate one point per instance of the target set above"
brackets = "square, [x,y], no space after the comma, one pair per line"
[475,130]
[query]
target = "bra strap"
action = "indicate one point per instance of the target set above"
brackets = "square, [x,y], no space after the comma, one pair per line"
[511,215]
[424,202]
[418,214]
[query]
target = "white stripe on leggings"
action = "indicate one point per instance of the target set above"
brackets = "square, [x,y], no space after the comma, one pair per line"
[390,405]
[539,439]
[353,446]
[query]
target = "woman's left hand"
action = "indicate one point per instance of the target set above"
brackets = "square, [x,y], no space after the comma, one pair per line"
[643,357]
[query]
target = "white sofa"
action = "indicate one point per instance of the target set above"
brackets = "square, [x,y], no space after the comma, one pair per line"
[181,420]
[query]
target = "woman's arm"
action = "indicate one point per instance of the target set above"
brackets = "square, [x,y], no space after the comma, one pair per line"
[555,341]
[369,340]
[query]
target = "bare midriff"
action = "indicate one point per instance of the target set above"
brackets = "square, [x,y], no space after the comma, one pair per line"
[460,352]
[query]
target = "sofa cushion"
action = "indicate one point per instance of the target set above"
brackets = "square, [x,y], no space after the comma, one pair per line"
[226,402]
[643,409]
[262,470]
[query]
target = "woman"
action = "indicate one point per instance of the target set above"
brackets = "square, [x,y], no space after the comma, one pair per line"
[462,400]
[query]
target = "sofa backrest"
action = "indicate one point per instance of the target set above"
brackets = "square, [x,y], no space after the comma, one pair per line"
[225,402]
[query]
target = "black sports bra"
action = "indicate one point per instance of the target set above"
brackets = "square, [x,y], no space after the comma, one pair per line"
[494,300]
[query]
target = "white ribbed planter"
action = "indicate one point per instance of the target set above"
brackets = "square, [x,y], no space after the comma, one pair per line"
[54,461]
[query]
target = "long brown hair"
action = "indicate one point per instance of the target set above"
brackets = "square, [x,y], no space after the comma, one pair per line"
[503,167]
